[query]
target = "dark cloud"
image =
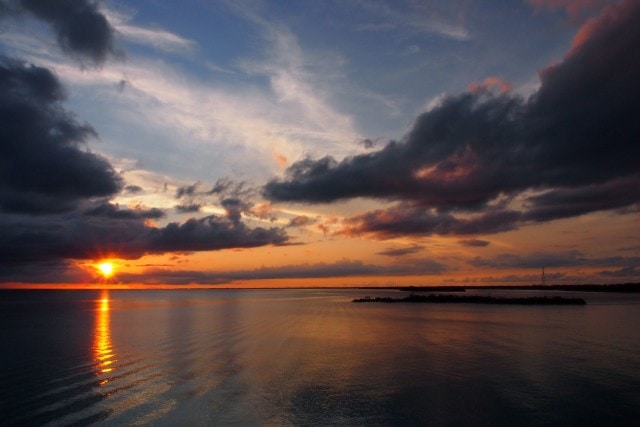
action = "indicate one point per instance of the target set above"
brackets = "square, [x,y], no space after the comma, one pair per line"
[133,189]
[629,248]
[212,233]
[235,198]
[234,207]
[574,141]
[109,231]
[81,29]
[61,271]
[548,259]
[474,243]
[188,207]
[173,277]
[399,252]
[630,271]
[406,219]
[113,211]
[344,268]
[568,202]
[222,186]
[369,143]
[301,221]
[25,239]
[44,163]
[187,190]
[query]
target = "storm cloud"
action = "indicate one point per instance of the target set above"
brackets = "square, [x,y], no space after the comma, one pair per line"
[45,164]
[568,149]
[111,232]
[81,29]
[406,219]
[212,233]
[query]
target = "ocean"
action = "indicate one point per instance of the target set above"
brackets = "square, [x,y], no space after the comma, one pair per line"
[311,357]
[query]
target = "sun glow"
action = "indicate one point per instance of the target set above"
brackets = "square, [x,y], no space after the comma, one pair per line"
[106,269]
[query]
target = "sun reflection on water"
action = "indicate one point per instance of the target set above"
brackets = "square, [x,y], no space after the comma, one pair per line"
[104,356]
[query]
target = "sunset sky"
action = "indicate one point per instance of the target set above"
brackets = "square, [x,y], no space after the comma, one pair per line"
[319,143]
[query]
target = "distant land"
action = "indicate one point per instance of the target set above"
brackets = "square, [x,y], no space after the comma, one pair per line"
[475,299]
[617,287]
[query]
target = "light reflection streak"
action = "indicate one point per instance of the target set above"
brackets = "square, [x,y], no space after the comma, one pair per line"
[103,353]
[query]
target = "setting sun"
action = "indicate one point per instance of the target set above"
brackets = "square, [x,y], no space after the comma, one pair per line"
[106,269]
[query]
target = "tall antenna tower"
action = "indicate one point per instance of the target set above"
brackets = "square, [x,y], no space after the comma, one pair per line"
[544,278]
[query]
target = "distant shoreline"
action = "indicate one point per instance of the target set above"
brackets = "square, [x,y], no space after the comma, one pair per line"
[474,299]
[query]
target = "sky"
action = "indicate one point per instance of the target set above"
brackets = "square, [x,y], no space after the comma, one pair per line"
[266,143]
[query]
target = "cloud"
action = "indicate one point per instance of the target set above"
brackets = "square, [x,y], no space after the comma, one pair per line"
[188,207]
[282,101]
[343,268]
[27,239]
[187,190]
[61,271]
[529,279]
[54,192]
[45,165]
[212,233]
[551,259]
[109,231]
[133,189]
[109,210]
[406,219]
[575,137]
[568,202]
[301,221]
[157,38]
[629,271]
[490,83]
[400,252]
[81,28]
[442,20]
[474,243]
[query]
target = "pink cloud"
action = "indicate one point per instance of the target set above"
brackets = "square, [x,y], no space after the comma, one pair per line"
[611,17]
[490,83]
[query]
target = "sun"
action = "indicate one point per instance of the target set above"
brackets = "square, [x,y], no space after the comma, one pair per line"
[106,269]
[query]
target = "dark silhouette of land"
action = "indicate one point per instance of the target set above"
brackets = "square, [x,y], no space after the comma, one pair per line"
[476,299]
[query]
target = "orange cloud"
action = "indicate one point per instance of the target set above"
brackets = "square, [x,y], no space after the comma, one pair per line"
[490,83]
[600,24]
[280,159]
[263,211]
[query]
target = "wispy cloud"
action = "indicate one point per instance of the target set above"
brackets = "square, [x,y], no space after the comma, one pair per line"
[156,38]
[422,18]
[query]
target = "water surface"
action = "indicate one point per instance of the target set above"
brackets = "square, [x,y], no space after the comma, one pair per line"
[311,357]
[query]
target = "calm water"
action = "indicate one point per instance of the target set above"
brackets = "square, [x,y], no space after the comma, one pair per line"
[311,357]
